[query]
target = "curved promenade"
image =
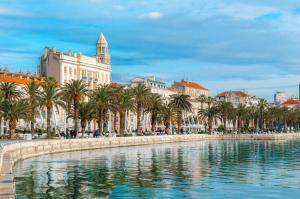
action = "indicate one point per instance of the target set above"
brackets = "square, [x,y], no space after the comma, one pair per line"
[10,152]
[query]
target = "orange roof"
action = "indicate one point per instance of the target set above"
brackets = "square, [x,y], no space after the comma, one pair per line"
[291,102]
[239,93]
[115,84]
[190,85]
[18,78]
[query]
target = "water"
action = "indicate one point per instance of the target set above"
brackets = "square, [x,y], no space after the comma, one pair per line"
[214,169]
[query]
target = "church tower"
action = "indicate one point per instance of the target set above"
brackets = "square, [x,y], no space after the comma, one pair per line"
[102,50]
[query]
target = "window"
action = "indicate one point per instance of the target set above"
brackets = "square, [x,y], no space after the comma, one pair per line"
[65,70]
[75,72]
[70,72]
[83,73]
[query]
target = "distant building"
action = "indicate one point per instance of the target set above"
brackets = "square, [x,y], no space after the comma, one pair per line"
[192,89]
[156,85]
[235,97]
[19,78]
[280,97]
[67,66]
[291,104]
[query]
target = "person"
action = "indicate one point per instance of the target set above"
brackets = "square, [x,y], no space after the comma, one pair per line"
[97,133]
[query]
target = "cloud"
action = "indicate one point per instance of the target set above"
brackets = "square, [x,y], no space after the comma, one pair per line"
[153,15]
[7,11]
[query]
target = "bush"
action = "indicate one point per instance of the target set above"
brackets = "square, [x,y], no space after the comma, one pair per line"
[221,128]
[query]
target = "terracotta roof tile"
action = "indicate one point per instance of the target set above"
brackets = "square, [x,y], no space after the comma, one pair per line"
[291,102]
[239,93]
[190,85]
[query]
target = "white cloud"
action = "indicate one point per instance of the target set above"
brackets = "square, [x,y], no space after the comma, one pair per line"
[244,11]
[6,11]
[153,15]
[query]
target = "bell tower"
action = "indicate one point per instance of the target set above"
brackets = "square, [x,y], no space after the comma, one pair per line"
[102,50]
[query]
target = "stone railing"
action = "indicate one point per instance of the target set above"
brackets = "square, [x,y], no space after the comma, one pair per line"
[11,152]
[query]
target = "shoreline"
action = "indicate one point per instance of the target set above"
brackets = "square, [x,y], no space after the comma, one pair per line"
[14,151]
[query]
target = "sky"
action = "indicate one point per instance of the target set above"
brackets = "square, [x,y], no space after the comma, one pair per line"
[250,45]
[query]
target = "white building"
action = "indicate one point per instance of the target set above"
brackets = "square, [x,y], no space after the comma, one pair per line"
[280,97]
[156,85]
[71,65]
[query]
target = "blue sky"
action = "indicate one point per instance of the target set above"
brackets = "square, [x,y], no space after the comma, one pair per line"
[223,45]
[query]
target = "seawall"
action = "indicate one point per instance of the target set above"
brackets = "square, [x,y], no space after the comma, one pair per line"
[13,151]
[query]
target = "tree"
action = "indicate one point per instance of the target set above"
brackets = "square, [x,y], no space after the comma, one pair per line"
[9,91]
[102,98]
[167,113]
[179,104]
[32,92]
[76,90]
[125,103]
[209,114]
[154,107]
[262,105]
[86,114]
[12,111]
[50,98]
[140,93]
[225,109]
[202,99]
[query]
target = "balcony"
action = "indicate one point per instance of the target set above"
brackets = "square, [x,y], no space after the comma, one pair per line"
[84,78]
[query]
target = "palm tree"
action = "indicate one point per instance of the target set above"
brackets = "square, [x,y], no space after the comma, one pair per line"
[13,111]
[32,92]
[241,113]
[86,114]
[224,109]
[102,98]
[202,99]
[76,90]
[154,107]
[210,101]
[125,103]
[116,90]
[167,113]
[50,98]
[179,104]
[262,105]
[9,91]
[141,93]
[209,114]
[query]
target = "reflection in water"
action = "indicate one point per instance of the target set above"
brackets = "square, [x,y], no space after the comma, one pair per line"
[215,169]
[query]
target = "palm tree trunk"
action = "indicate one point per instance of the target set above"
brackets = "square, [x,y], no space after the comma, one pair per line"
[168,124]
[32,126]
[49,114]
[83,126]
[153,121]
[115,121]
[122,123]
[138,117]
[179,118]
[100,121]
[76,113]
[225,123]
[210,122]
[12,129]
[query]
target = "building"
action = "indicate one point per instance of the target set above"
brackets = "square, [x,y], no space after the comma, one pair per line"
[64,67]
[280,97]
[291,104]
[21,79]
[192,89]
[156,85]
[235,97]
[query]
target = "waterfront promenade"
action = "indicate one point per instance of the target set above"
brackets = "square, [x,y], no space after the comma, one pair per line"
[12,151]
